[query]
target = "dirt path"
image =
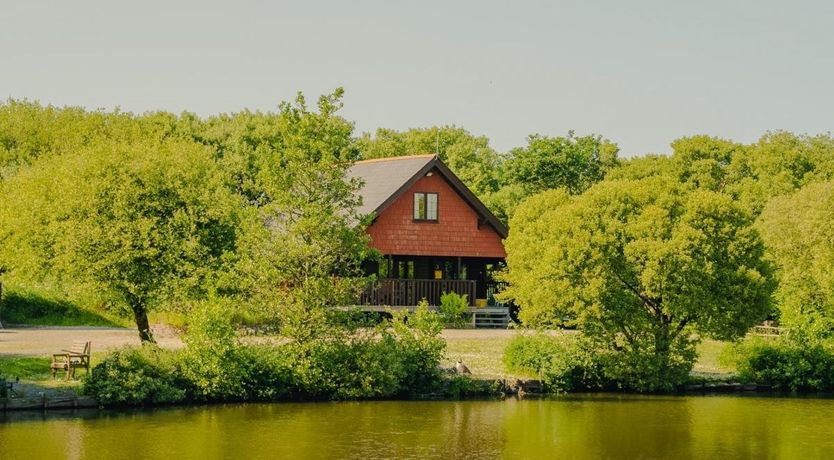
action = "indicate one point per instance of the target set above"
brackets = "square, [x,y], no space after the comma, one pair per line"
[40,341]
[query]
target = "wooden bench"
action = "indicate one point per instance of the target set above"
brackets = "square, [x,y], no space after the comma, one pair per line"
[77,356]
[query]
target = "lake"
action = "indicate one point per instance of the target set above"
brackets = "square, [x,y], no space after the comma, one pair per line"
[574,427]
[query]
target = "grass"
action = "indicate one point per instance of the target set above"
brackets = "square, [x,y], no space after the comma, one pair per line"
[484,357]
[709,359]
[44,306]
[32,368]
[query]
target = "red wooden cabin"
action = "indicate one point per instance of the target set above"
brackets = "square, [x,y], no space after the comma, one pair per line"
[434,233]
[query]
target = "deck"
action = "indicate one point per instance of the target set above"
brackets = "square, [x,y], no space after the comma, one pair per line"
[390,294]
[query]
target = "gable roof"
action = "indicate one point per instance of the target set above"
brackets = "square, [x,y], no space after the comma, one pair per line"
[386,179]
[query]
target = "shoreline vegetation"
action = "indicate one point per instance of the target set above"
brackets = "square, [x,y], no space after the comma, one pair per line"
[111,218]
[491,380]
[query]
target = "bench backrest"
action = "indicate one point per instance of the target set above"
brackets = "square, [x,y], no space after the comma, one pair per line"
[80,347]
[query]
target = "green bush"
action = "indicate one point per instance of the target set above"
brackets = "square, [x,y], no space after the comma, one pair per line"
[454,308]
[563,363]
[135,376]
[638,367]
[785,364]
[419,348]
[397,359]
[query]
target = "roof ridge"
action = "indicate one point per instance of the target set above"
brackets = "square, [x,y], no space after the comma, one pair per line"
[406,157]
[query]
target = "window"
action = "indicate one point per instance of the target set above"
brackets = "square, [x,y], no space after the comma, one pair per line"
[425,206]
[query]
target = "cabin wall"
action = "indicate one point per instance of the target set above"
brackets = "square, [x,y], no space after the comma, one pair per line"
[455,234]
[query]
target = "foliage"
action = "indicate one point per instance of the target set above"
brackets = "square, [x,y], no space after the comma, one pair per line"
[546,163]
[800,241]
[563,363]
[570,162]
[301,253]
[136,375]
[147,221]
[639,265]
[786,364]
[420,348]
[400,359]
[453,308]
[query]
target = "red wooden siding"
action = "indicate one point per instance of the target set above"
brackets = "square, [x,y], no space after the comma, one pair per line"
[455,234]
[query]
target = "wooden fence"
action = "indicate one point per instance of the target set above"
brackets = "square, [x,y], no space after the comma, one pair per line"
[403,293]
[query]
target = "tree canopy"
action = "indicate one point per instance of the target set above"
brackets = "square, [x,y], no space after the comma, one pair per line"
[156,211]
[800,241]
[638,265]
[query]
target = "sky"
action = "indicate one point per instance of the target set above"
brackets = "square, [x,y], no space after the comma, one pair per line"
[640,73]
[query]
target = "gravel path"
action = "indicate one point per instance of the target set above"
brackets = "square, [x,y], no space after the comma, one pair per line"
[40,341]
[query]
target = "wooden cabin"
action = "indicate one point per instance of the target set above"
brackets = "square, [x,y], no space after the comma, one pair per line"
[435,235]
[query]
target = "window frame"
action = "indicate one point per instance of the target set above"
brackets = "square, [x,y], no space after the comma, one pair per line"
[426,201]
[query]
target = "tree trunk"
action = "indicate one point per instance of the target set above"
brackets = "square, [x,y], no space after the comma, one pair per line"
[140,314]
[662,348]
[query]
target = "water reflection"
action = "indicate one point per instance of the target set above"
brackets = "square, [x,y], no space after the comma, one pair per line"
[576,427]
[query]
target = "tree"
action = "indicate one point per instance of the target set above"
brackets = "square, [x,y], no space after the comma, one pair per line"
[145,222]
[301,254]
[639,265]
[571,162]
[800,241]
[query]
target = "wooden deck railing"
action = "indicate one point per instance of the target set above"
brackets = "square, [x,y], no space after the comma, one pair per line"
[402,293]
[492,288]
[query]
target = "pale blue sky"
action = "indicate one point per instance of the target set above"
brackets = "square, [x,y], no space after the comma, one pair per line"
[641,73]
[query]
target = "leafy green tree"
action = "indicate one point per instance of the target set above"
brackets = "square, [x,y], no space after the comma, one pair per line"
[642,168]
[779,164]
[571,162]
[301,254]
[144,222]
[704,161]
[799,235]
[639,266]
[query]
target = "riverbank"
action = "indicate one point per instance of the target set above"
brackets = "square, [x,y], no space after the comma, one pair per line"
[482,350]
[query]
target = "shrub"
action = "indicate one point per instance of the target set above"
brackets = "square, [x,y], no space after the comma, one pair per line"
[265,373]
[135,376]
[219,368]
[419,348]
[209,360]
[400,358]
[397,359]
[563,363]
[453,308]
[785,364]
[638,366]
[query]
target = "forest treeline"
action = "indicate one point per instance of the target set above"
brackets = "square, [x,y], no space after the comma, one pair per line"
[165,211]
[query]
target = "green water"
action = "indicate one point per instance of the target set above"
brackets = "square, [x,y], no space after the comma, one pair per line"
[576,427]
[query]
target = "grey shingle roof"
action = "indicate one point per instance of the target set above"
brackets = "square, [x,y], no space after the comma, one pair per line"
[383,177]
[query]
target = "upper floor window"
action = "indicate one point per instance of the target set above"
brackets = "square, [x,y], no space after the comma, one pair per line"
[425,206]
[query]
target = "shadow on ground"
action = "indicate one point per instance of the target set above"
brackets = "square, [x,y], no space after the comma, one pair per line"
[35,309]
